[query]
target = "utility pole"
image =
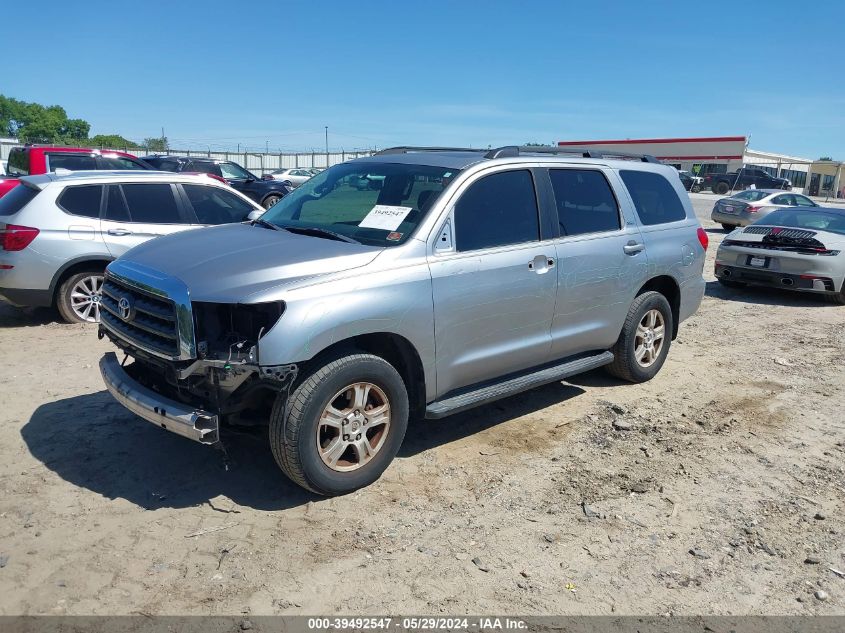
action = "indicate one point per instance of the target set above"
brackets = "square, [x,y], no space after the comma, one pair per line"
[327,140]
[267,147]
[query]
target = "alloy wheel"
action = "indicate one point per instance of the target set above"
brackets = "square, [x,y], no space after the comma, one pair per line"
[353,427]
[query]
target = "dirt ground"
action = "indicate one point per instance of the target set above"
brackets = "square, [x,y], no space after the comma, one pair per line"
[725,495]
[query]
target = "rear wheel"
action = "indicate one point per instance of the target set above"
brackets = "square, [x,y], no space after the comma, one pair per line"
[721,188]
[269,201]
[78,299]
[342,426]
[728,227]
[837,298]
[644,342]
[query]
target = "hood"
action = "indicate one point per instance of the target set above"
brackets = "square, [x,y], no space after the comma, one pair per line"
[232,262]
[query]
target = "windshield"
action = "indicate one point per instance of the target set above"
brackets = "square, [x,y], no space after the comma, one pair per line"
[378,204]
[815,219]
[751,195]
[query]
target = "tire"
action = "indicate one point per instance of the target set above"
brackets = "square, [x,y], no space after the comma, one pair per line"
[625,364]
[728,227]
[295,425]
[837,298]
[71,297]
[288,183]
[728,283]
[695,189]
[270,200]
[721,188]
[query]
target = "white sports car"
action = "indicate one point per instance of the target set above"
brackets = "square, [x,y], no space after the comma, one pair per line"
[796,248]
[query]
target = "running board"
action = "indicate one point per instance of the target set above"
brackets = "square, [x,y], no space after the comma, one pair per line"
[489,393]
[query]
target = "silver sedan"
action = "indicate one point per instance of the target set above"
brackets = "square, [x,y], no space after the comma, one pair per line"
[796,248]
[747,207]
[294,176]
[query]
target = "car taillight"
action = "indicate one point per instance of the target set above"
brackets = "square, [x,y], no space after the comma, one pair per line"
[703,239]
[752,209]
[16,238]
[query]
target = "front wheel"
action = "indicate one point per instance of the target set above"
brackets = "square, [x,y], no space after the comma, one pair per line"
[342,426]
[696,189]
[78,299]
[644,342]
[269,201]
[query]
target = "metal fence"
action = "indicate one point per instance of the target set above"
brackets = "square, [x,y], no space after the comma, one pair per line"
[257,162]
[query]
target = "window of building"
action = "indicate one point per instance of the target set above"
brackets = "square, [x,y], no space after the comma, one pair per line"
[497,210]
[710,168]
[585,202]
[654,198]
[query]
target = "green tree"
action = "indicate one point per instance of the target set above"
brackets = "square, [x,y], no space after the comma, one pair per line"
[112,141]
[156,144]
[825,158]
[35,123]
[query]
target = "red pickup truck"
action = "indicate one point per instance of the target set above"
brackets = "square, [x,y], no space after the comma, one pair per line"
[38,159]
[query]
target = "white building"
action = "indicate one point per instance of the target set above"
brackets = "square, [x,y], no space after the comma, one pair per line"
[722,154]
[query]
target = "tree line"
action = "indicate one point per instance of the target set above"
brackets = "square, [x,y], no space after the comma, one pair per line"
[36,123]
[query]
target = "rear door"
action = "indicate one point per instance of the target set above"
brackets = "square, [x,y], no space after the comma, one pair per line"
[601,255]
[137,212]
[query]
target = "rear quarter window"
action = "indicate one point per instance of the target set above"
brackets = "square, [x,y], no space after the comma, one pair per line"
[82,200]
[18,162]
[654,197]
[17,199]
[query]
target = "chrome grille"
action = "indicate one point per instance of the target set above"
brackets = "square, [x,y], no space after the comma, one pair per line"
[149,322]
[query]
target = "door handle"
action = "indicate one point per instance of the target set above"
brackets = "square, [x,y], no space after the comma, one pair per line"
[632,247]
[541,264]
[119,232]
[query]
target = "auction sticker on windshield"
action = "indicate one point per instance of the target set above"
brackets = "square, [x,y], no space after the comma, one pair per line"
[385,217]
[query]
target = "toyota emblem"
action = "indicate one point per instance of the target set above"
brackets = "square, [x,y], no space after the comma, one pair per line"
[124,306]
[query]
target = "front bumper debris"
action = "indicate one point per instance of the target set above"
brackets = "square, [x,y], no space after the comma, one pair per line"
[176,417]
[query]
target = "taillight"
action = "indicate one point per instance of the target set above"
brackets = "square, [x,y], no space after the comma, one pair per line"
[703,239]
[752,209]
[17,238]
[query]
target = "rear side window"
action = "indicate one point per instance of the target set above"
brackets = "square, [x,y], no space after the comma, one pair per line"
[18,162]
[585,202]
[654,198]
[73,162]
[497,210]
[116,210]
[17,199]
[204,168]
[119,162]
[214,205]
[151,203]
[82,200]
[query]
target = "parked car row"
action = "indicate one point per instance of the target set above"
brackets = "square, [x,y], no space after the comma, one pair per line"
[293,176]
[59,231]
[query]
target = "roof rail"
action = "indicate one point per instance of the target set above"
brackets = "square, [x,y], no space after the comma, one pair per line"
[510,151]
[587,153]
[402,149]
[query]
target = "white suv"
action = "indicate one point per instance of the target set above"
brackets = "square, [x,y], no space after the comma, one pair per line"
[59,231]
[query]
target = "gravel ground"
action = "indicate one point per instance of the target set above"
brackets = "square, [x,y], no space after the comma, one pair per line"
[715,488]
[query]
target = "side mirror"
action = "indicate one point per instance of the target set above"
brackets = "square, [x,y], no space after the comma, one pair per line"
[254,215]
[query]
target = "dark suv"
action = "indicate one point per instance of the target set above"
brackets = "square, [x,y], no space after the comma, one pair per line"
[264,192]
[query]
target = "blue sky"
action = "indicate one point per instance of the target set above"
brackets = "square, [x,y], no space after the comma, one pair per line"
[429,73]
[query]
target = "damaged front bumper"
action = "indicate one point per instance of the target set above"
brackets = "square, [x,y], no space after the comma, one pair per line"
[176,417]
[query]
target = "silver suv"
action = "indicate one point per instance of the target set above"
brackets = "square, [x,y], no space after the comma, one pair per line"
[59,231]
[415,283]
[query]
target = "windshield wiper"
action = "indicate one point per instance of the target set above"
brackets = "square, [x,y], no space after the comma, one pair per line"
[317,231]
[265,224]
